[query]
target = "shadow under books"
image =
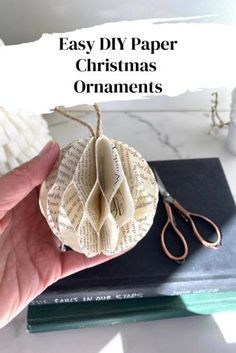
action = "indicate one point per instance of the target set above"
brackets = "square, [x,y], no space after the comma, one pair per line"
[183,336]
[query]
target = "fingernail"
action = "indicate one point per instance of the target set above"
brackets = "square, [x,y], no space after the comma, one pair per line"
[49,146]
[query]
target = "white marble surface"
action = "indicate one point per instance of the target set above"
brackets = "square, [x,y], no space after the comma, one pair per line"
[157,135]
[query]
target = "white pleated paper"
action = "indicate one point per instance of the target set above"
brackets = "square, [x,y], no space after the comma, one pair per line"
[22,136]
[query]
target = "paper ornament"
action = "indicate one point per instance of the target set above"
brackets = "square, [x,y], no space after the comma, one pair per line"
[101,196]
[22,136]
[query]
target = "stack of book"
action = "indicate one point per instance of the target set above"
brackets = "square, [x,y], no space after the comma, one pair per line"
[144,284]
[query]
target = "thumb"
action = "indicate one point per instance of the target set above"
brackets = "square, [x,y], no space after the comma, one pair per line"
[17,184]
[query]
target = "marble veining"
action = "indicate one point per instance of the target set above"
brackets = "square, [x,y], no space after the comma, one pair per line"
[164,139]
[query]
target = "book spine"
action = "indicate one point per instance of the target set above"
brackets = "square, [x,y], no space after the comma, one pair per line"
[56,325]
[164,289]
[80,315]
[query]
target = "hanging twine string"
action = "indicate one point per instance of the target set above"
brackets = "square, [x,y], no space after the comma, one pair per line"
[78,120]
[99,120]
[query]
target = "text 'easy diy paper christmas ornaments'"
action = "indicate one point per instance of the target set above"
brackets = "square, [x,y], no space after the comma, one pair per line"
[101,196]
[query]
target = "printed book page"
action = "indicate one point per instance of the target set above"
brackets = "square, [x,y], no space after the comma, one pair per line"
[101,196]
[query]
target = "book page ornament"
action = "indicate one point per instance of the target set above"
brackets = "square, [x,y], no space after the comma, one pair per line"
[101,195]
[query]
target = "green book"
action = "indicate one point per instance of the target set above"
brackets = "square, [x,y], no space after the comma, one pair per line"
[52,317]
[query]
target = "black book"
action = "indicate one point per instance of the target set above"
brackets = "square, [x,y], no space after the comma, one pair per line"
[145,271]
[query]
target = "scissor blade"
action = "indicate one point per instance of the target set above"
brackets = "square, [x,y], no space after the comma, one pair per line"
[162,188]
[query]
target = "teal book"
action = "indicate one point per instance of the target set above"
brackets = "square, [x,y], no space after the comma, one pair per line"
[51,317]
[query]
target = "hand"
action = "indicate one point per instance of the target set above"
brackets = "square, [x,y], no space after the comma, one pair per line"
[30,258]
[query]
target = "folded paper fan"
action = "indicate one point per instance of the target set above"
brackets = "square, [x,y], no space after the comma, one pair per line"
[18,132]
[101,196]
[22,136]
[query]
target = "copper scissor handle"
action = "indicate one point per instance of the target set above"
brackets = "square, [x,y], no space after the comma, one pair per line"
[188,216]
[171,222]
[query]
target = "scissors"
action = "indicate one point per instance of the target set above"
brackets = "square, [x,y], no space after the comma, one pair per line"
[188,216]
